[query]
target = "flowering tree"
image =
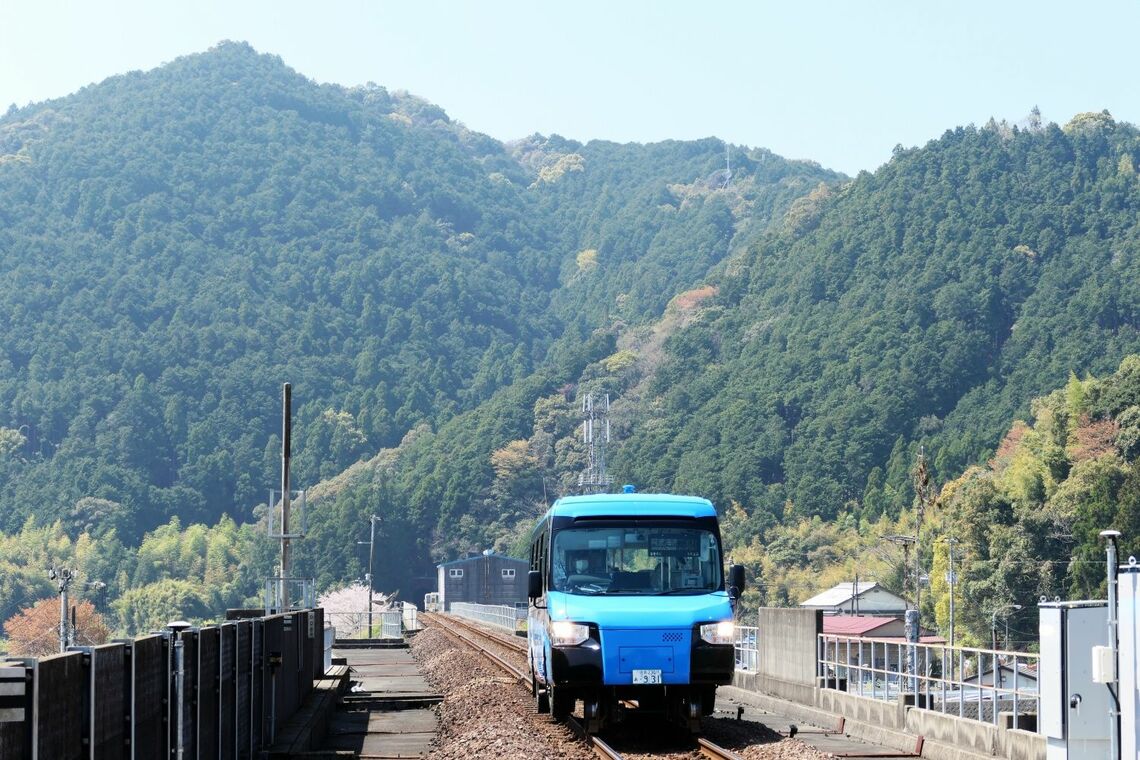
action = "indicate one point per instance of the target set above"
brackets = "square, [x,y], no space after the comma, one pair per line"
[346,609]
[34,631]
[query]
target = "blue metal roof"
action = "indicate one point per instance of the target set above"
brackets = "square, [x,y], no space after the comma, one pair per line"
[496,555]
[633,505]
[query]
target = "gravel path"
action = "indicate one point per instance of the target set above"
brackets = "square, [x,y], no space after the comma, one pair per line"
[486,714]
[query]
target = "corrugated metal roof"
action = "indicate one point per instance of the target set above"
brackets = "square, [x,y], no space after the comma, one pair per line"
[854,625]
[468,560]
[840,594]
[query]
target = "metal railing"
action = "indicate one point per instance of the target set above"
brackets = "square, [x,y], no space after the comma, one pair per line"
[386,624]
[746,649]
[301,594]
[500,615]
[977,684]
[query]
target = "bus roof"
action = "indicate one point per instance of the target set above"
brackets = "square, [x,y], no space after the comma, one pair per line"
[633,505]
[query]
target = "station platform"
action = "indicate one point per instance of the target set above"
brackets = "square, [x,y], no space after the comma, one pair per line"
[383,708]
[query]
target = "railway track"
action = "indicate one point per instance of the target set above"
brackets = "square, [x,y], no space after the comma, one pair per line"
[447,625]
[470,635]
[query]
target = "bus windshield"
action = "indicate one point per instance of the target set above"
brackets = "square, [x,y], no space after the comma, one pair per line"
[636,559]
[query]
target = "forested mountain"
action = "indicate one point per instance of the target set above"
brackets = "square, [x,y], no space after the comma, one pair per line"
[778,338]
[1023,524]
[917,308]
[922,305]
[177,243]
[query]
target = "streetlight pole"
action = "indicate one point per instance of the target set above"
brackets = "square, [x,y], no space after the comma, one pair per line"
[373,519]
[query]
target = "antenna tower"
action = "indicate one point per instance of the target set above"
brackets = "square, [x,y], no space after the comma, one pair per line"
[595,434]
[727,165]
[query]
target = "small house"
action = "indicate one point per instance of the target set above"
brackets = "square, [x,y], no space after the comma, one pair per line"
[486,578]
[862,598]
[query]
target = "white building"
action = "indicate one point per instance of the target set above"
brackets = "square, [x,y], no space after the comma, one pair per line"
[866,598]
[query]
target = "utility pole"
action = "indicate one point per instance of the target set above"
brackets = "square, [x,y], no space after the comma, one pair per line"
[922,494]
[952,579]
[286,454]
[905,542]
[371,551]
[63,577]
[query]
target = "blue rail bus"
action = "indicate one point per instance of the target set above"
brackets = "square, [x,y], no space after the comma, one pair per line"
[629,607]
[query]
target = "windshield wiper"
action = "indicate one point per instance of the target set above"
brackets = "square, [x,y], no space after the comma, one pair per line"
[670,591]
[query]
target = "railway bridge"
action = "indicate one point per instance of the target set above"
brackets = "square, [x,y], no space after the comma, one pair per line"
[245,688]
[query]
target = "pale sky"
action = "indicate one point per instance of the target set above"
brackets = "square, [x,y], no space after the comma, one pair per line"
[840,83]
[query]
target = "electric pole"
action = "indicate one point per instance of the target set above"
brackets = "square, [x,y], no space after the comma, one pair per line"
[371,552]
[286,453]
[922,495]
[63,577]
[952,579]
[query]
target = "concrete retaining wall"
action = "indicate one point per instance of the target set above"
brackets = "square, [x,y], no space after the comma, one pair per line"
[787,672]
[787,645]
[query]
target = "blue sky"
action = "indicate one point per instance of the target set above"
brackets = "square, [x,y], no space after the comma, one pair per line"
[840,83]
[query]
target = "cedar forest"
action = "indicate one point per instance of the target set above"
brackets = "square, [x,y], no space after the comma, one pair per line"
[783,340]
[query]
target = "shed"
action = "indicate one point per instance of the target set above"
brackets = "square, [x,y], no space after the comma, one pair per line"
[486,578]
[863,598]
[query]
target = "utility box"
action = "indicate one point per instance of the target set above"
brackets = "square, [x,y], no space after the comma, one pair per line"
[1075,716]
[1128,634]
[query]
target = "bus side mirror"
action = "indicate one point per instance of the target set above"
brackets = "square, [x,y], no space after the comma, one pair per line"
[735,581]
[534,584]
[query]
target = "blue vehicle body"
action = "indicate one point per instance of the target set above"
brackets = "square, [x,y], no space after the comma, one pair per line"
[636,583]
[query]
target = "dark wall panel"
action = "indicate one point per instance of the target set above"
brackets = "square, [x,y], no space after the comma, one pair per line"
[227,695]
[110,707]
[60,698]
[208,694]
[150,661]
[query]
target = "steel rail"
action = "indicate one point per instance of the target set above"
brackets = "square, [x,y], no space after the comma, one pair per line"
[708,749]
[503,664]
[601,749]
[510,642]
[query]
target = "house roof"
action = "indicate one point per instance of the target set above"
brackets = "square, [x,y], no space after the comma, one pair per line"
[869,626]
[854,625]
[842,593]
[469,560]
[1023,670]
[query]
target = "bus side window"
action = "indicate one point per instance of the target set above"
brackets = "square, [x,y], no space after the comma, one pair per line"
[542,557]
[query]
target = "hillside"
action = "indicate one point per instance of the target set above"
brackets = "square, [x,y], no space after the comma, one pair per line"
[176,243]
[179,242]
[921,306]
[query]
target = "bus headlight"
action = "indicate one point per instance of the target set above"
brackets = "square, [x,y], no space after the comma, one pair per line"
[566,634]
[719,633]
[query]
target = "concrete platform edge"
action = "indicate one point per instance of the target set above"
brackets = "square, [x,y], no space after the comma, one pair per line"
[309,726]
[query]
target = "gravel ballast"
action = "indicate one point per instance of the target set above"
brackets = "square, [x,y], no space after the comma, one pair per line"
[486,714]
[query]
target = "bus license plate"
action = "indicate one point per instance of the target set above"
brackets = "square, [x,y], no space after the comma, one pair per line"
[647,676]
